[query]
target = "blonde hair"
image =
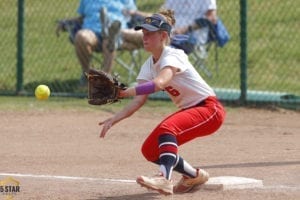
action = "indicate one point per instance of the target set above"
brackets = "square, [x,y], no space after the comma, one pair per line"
[169,16]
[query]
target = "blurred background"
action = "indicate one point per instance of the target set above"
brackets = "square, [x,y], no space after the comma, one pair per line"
[260,63]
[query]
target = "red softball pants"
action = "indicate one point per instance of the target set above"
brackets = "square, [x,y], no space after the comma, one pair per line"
[186,125]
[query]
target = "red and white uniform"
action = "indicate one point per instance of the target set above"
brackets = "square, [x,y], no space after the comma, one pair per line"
[187,88]
[200,112]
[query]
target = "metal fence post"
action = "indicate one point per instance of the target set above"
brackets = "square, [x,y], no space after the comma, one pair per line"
[20,46]
[243,53]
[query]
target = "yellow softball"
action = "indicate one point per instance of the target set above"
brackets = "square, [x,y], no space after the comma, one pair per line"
[42,92]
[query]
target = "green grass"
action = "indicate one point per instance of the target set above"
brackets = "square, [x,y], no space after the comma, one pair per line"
[273,50]
[30,104]
[26,104]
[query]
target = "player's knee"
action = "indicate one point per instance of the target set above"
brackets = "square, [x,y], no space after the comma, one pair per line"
[149,153]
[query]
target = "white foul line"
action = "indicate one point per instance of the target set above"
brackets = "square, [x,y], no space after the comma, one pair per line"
[66,177]
[285,187]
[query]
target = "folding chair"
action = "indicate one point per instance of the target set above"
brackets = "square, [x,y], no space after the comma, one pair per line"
[200,56]
[218,36]
[198,53]
[130,65]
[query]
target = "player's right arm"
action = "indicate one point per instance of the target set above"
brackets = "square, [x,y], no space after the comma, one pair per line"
[163,78]
[132,107]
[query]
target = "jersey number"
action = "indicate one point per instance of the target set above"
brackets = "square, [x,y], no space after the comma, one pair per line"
[172,91]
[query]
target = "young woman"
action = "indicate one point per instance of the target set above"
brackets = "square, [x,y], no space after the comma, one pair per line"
[200,113]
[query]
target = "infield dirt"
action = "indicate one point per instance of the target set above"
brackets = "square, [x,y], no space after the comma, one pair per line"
[253,143]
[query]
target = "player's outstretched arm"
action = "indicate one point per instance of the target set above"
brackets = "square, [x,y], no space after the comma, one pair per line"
[131,108]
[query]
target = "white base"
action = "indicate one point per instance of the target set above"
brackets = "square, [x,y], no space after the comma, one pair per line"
[231,182]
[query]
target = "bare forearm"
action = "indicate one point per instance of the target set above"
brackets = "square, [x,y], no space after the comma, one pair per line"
[131,108]
[211,15]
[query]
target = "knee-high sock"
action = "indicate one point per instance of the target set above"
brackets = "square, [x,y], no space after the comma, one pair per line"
[184,167]
[167,154]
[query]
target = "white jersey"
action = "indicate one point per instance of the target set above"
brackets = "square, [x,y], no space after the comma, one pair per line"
[187,88]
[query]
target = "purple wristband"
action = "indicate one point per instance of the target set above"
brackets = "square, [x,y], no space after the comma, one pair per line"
[145,88]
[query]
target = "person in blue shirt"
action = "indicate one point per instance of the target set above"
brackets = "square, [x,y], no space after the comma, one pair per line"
[102,23]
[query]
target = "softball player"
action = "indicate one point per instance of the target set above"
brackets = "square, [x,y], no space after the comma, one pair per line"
[200,113]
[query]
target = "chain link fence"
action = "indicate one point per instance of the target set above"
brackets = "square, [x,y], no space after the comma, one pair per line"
[271,65]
